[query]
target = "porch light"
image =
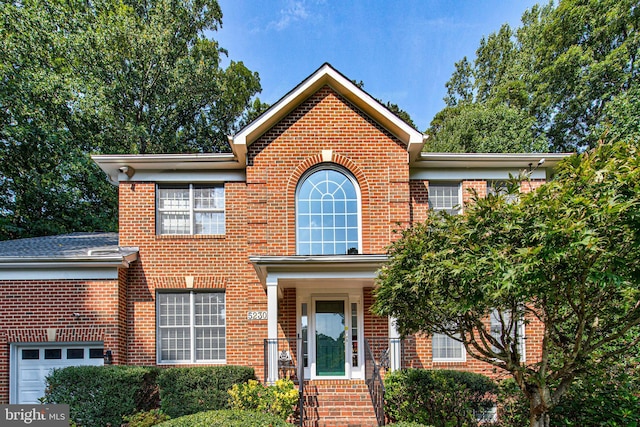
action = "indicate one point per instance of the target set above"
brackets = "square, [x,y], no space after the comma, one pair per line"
[108,357]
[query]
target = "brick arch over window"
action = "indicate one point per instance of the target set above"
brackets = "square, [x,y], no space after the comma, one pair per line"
[351,167]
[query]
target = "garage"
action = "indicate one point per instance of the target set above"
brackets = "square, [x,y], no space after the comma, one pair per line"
[32,363]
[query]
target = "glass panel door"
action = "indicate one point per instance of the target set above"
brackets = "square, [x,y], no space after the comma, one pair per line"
[330,338]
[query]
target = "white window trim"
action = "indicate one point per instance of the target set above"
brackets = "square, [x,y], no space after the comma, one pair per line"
[463,354]
[191,209]
[356,185]
[461,206]
[192,332]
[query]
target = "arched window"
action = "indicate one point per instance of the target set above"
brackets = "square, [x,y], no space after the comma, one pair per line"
[327,213]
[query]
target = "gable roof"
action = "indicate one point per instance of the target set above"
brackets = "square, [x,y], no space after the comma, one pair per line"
[327,75]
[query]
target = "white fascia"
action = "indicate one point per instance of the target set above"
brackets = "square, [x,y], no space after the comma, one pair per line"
[179,167]
[327,75]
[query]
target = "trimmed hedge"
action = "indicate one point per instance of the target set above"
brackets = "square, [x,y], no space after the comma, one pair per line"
[441,398]
[186,391]
[98,395]
[226,418]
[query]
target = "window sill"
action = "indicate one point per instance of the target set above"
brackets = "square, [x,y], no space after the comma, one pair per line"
[203,363]
[191,236]
[449,361]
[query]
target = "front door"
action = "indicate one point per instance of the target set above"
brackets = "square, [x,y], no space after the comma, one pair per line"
[330,329]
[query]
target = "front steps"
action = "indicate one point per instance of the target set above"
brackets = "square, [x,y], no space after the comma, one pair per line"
[338,403]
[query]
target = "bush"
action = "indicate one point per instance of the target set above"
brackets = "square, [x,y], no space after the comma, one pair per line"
[438,397]
[513,407]
[98,395]
[227,418]
[608,398]
[146,418]
[407,424]
[279,399]
[186,391]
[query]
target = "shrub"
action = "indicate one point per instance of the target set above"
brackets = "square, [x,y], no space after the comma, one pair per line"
[227,418]
[279,399]
[438,397]
[604,399]
[513,407]
[98,395]
[608,398]
[146,418]
[186,391]
[407,424]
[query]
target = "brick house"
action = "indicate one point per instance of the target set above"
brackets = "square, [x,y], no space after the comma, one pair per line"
[260,257]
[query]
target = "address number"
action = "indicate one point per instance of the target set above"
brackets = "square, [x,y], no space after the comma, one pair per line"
[257,315]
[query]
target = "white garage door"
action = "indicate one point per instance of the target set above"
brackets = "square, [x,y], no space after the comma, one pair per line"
[33,364]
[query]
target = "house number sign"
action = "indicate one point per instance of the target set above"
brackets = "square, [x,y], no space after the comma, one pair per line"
[257,315]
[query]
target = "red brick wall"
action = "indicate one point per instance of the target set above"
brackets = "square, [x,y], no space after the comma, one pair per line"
[326,121]
[29,308]
[260,220]
[214,262]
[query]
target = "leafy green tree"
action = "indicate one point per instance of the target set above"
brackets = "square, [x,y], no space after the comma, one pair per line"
[566,70]
[110,76]
[477,128]
[564,255]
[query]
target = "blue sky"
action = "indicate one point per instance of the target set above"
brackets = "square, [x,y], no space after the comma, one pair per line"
[403,51]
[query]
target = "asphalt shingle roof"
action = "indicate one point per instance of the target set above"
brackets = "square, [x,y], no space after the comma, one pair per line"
[72,245]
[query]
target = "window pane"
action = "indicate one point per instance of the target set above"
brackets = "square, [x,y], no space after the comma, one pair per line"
[174,309]
[180,315]
[53,353]
[209,223]
[75,353]
[446,348]
[444,196]
[96,353]
[31,354]
[175,344]
[210,344]
[210,309]
[173,198]
[208,197]
[174,223]
[330,198]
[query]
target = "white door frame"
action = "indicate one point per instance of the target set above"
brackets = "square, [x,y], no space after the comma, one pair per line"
[352,296]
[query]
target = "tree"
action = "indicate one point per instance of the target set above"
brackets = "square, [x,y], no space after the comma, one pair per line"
[476,128]
[394,108]
[111,76]
[562,70]
[565,255]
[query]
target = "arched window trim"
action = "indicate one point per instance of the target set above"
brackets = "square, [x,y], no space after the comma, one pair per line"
[318,168]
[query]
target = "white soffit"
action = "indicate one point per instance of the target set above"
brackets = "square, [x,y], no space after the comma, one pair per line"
[175,167]
[484,165]
[327,75]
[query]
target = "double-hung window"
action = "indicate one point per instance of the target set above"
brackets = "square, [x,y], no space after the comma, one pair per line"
[190,209]
[191,327]
[501,323]
[445,196]
[446,349]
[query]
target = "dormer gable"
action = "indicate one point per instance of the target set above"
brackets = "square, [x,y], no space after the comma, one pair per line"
[326,75]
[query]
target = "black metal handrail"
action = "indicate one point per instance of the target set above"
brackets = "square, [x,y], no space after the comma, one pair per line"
[376,357]
[289,354]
